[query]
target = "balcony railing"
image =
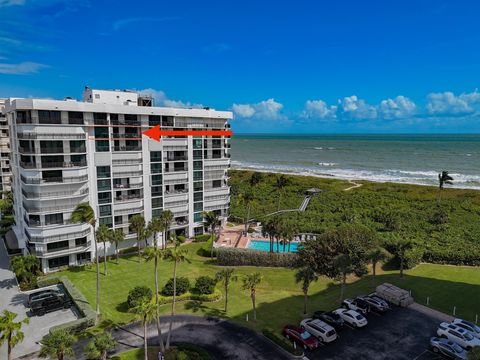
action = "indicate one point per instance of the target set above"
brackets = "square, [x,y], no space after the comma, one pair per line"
[175,158]
[64,236]
[127,186]
[127,174]
[24,150]
[122,198]
[126,161]
[44,252]
[42,136]
[51,150]
[37,195]
[176,192]
[43,209]
[127,148]
[126,136]
[36,181]
[126,123]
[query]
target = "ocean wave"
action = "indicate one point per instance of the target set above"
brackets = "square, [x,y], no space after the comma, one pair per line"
[327,164]
[324,148]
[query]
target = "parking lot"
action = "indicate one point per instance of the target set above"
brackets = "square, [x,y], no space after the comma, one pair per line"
[401,334]
[13,300]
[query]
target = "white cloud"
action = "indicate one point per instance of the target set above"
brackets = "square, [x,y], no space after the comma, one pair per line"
[265,110]
[352,107]
[319,109]
[5,3]
[447,103]
[397,108]
[21,68]
[117,25]
[161,99]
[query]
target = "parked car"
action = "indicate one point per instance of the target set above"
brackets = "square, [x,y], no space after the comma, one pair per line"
[357,305]
[377,297]
[330,318]
[469,326]
[300,337]
[45,301]
[457,334]
[352,317]
[447,348]
[374,304]
[321,330]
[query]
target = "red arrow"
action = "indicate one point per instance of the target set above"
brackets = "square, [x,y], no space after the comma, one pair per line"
[156,132]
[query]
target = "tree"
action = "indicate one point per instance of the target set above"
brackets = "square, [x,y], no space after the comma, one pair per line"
[166,219]
[226,277]
[443,179]
[104,234]
[137,223]
[211,220]
[145,311]
[281,183]
[375,256]
[58,344]
[25,267]
[474,353]
[83,213]
[247,199]
[255,179]
[155,253]
[338,252]
[177,255]
[251,282]
[117,237]
[305,276]
[399,247]
[100,345]
[268,229]
[11,331]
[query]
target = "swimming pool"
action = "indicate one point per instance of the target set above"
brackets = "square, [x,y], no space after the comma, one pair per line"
[265,246]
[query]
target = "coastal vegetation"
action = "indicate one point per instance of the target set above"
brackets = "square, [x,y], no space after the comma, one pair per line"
[444,232]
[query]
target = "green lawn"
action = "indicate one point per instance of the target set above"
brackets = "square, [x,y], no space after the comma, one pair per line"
[279,299]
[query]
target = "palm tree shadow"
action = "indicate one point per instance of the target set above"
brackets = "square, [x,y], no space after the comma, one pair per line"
[197,306]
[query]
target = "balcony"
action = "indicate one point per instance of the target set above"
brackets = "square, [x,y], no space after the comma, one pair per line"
[127,148]
[123,198]
[33,209]
[126,136]
[127,174]
[56,194]
[175,158]
[43,252]
[53,180]
[51,136]
[127,186]
[24,150]
[63,236]
[126,162]
[132,123]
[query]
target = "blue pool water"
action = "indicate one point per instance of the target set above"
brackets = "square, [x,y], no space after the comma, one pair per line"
[265,246]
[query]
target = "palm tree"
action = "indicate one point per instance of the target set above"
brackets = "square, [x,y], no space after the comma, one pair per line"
[58,344]
[83,213]
[268,229]
[177,255]
[226,276]
[247,199]
[137,223]
[280,183]
[117,237]
[250,282]
[145,311]
[100,345]
[155,253]
[305,275]
[211,220]
[343,264]
[443,179]
[375,256]
[400,246]
[255,178]
[104,234]
[166,218]
[11,331]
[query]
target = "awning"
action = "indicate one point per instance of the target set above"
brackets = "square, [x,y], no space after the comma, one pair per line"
[11,240]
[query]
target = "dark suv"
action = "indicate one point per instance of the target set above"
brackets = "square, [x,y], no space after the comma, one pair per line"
[48,300]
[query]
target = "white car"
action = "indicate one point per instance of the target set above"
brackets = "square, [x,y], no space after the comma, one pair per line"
[352,317]
[468,325]
[457,334]
[321,330]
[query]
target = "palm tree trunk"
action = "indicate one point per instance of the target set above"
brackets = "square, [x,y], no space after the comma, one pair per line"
[104,258]
[278,200]
[254,308]
[271,244]
[173,304]
[104,355]
[116,252]
[60,356]
[138,246]
[145,347]
[213,241]
[226,297]
[288,245]
[246,220]
[98,275]
[305,299]
[9,346]
[401,266]
[344,281]
[157,317]
[278,246]
[284,243]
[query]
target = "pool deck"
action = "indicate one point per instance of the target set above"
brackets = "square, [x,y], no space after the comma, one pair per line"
[234,237]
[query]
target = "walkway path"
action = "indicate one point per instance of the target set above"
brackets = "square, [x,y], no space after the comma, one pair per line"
[221,338]
[431,312]
[354,185]
[302,207]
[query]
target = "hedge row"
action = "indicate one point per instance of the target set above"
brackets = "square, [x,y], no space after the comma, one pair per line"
[202,237]
[86,311]
[45,281]
[247,257]
[206,249]
[282,342]
[470,257]
[217,295]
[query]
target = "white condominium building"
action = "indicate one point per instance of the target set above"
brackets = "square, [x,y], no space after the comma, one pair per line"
[5,173]
[67,152]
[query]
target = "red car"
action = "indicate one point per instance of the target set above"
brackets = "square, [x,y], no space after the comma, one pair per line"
[300,337]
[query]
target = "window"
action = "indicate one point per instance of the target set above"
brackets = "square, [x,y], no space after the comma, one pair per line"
[106,221]
[100,119]
[197,154]
[114,117]
[83,257]
[216,183]
[103,171]
[155,156]
[156,213]
[102,145]
[198,206]
[57,245]
[156,179]
[157,203]
[79,160]
[118,219]
[24,117]
[198,217]
[198,196]
[104,198]
[156,168]
[103,185]
[49,147]
[81,241]
[77,146]
[197,144]
[197,165]
[197,175]
[58,262]
[54,219]
[167,120]
[75,117]
[52,175]
[156,191]
[105,210]
[101,133]
[49,117]
[198,186]
[153,120]
[33,220]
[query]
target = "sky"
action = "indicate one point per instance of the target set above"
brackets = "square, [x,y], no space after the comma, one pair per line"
[279,66]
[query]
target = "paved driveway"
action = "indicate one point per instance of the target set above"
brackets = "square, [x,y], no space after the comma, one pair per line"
[13,300]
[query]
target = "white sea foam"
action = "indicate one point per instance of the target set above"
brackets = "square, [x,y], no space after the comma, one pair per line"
[327,164]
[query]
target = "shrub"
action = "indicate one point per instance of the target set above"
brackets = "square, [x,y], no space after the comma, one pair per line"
[439,217]
[215,296]
[183,285]
[181,239]
[202,237]
[282,342]
[44,281]
[413,257]
[205,285]
[247,257]
[138,294]
[206,249]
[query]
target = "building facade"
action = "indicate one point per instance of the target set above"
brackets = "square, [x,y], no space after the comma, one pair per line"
[5,173]
[68,152]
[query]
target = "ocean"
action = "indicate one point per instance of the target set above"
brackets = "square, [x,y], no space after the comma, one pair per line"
[413,159]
